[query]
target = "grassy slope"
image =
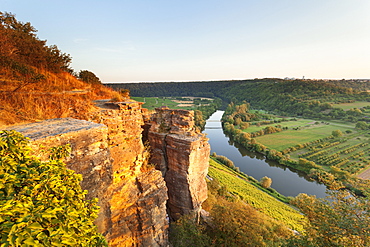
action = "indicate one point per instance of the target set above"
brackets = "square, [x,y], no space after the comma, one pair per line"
[60,95]
[255,197]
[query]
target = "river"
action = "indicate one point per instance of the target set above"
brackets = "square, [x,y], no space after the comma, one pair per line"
[284,179]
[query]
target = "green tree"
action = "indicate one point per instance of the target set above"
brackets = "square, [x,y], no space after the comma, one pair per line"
[340,220]
[336,133]
[199,120]
[42,203]
[362,125]
[89,77]
[185,232]
[21,47]
[244,125]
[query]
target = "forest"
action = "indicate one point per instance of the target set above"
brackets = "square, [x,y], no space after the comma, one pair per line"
[306,98]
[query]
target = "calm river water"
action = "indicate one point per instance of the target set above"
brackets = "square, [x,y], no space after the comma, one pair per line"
[285,180]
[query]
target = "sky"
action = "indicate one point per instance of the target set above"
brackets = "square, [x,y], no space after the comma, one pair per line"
[171,40]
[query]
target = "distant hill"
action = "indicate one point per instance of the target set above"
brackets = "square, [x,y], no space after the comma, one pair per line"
[289,97]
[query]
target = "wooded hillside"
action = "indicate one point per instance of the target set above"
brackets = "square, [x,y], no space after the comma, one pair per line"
[306,98]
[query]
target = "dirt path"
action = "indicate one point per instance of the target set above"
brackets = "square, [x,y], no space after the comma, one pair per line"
[365,174]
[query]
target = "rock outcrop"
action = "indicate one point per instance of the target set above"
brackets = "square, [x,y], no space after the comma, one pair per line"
[181,153]
[138,192]
[109,153]
[90,155]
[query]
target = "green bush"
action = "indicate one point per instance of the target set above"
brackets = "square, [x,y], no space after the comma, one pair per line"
[42,203]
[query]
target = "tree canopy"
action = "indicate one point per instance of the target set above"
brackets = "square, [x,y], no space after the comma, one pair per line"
[89,77]
[21,48]
[340,220]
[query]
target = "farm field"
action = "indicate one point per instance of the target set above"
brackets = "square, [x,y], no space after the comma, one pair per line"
[351,153]
[290,124]
[356,104]
[305,133]
[153,102]
[348,153]
[186,103]
[255,197]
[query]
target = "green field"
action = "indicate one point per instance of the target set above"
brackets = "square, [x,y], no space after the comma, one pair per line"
[290,124]
[153,102]
[356,104]
[305,133]
[255,197]
[349,152]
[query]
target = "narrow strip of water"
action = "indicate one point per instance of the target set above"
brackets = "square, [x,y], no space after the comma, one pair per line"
[285,180]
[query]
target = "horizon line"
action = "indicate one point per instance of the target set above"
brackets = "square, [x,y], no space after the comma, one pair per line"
[234,79]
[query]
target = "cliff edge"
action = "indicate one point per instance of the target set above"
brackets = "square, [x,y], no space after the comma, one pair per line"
[134,198]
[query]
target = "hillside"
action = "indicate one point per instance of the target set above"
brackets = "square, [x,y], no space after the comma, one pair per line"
[307,98]
[36,82]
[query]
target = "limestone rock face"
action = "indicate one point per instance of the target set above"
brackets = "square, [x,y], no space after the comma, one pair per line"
[182,155]
[139,194]
[109,153]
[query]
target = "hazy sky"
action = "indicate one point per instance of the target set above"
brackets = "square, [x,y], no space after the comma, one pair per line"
[170,40]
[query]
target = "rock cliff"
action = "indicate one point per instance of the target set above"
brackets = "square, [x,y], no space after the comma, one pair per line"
[181,153]
[109,153]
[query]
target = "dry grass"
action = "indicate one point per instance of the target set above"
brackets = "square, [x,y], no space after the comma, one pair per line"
[60,95]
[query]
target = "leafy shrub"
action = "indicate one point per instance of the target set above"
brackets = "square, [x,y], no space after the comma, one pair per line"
[42,203]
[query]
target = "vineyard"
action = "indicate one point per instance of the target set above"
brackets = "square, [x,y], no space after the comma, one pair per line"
[255,197]
[350,154]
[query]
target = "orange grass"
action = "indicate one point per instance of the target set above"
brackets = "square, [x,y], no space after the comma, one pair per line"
[60,95]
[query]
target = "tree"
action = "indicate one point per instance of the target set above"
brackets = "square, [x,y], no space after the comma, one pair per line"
[237,121]
[244,125]
[42,203]
[20,45]
[239,224]
[198,119]
[89,77]
[340,220]
[266,182]
[362,125]
[186,232]
[336,133]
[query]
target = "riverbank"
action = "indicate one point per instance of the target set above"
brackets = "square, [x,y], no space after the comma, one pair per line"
[331,175]
[285,180]
[249,179]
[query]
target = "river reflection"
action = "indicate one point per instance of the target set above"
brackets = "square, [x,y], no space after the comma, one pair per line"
[285,180]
